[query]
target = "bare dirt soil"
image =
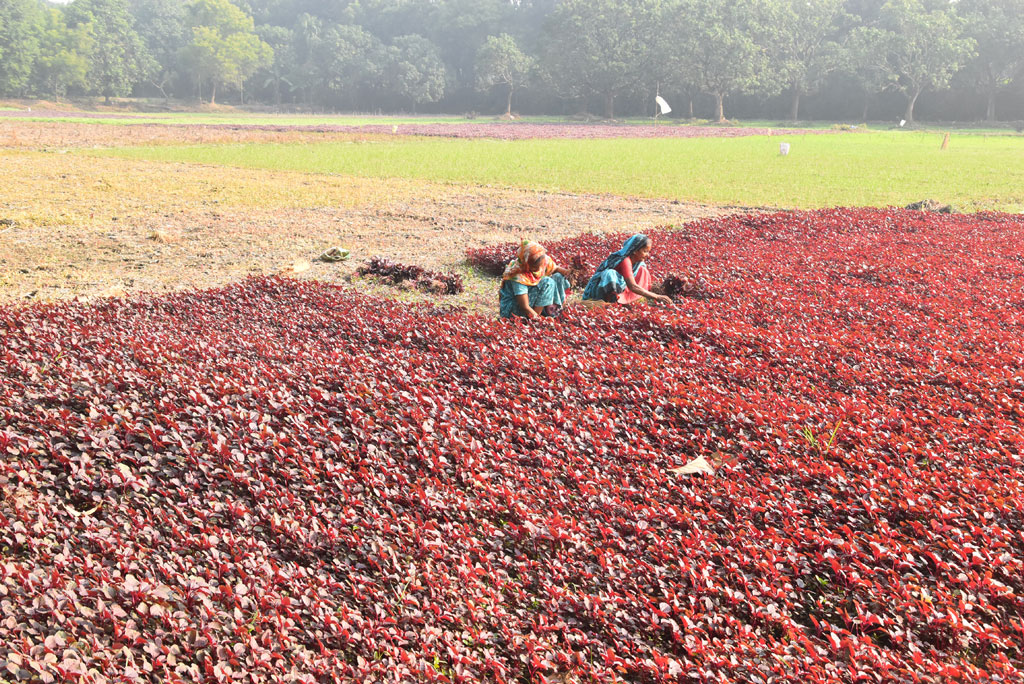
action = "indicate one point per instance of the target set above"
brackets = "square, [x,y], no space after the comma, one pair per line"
[73,226]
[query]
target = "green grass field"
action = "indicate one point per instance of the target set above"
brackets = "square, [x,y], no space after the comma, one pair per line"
[976,172]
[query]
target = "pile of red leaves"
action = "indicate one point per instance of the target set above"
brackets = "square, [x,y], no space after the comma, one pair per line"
[284,480]
[491,260]
[429,281]
[528,131]
[675,287]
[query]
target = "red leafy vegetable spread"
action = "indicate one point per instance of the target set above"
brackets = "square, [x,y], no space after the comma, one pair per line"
[286,481]
[397,273]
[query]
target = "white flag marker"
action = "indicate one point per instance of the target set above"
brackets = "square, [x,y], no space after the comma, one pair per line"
[665,109]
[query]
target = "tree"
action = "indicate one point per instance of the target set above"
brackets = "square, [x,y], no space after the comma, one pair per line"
[415,70]
[499,61]
[161,25]
[718,47]
[64,56]
[926,46]
[353,61]
[119,58]
[459,28]
[281,40]
[307,76]
[804,45]
[864,58]
[20,27]
[224,47]
[997,27]
[601,47]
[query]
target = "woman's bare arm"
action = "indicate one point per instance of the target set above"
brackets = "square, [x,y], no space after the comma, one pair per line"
[523,301]
[633,287]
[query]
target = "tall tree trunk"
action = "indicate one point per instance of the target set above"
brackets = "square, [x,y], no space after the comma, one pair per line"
[508,103]
[691,107]
[867,105]
[719,112]
[794,107]
[991,86]
[213,93]
[909,114]
[609,105]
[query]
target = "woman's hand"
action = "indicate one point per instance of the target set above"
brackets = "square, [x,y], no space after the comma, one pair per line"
[662,299]
[523,301]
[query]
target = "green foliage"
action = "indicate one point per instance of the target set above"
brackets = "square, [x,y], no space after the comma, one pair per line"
[352,59]
[280,39]
[118,59]
[925,45]
[224,47]
[458,28]
[718,47]
[415,70]
[20,28]
[822,444]
[65,55]
[997,27]
[306,76]
[161,25]
[803,43]
[370,54]
[864,58]
[499,61]
[601,47]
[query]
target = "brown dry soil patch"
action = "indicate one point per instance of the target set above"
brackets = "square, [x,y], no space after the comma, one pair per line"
[73,226]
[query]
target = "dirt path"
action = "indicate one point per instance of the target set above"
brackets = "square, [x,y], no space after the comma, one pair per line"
[76,226]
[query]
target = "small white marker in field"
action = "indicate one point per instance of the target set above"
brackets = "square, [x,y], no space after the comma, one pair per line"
[902,122]
[783,149]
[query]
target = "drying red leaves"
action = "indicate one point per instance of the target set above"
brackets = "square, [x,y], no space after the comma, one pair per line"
[507,130]
[529,131]
[428,281]
[286,481]
[492,260]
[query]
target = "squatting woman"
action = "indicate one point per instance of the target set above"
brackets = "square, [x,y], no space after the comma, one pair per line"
[624,277]
[533,284]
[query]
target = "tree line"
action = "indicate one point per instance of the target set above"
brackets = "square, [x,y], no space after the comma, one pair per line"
[609,57]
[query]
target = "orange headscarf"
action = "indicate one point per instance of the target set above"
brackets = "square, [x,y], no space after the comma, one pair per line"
[519,268]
